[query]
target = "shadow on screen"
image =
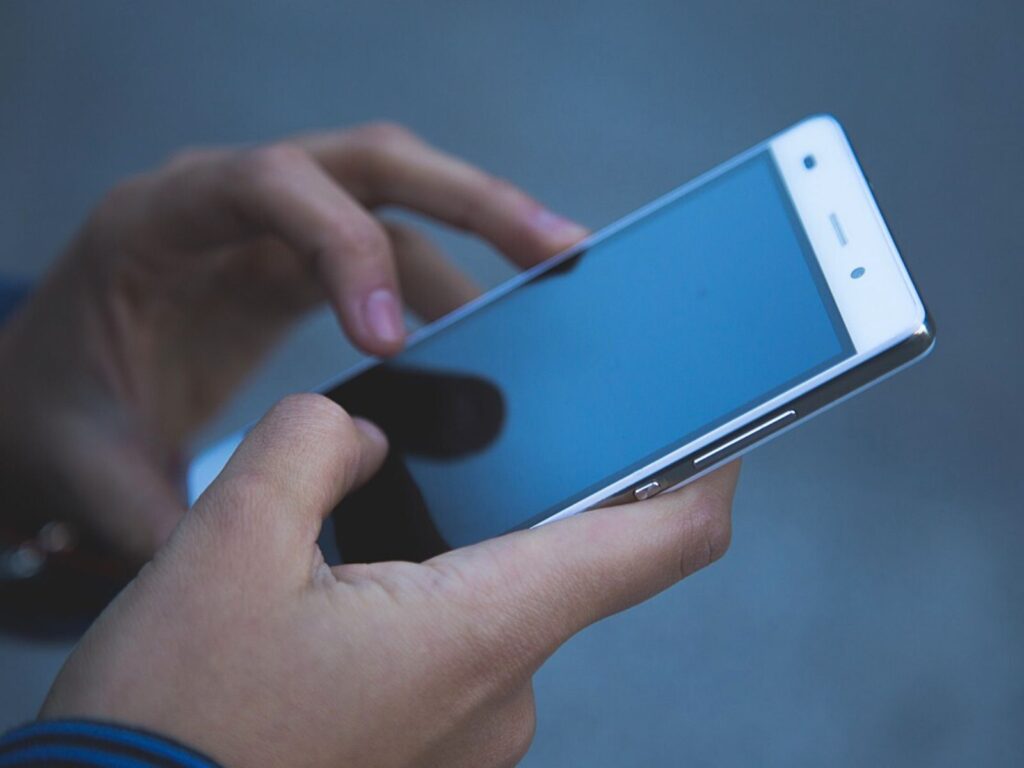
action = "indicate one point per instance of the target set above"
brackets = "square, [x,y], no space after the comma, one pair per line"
[423,413]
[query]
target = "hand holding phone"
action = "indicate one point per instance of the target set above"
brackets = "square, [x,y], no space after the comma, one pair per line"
[239,640]
[177,285]
[670,342]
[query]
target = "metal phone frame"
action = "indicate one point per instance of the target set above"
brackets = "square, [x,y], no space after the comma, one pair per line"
[810,404]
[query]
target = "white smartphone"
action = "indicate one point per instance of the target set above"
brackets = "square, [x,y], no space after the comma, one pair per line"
[674,340]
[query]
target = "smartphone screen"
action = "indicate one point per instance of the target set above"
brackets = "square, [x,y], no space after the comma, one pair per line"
[668,327]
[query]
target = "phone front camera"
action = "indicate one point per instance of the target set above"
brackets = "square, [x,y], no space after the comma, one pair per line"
[809,162]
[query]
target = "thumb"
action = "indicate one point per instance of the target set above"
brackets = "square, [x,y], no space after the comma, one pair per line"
[541,586]
[288,474]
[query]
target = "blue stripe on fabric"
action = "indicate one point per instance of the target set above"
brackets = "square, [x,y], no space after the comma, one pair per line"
[113,733]
[82,755]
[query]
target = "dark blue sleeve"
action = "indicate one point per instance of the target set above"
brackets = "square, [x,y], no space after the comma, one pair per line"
[12,293]
[87,743]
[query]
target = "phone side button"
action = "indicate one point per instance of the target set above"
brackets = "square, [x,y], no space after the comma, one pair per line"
[647,490]
[744,439]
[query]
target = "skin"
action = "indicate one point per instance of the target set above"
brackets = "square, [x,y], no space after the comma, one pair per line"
[183,279]
[236,637]
[239,640]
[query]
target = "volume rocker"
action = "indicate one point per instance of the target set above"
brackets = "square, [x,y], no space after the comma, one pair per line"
[745,438]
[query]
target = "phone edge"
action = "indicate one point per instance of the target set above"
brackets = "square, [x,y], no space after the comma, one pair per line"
[830,393]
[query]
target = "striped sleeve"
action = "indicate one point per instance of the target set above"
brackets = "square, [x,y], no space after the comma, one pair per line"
[78,743]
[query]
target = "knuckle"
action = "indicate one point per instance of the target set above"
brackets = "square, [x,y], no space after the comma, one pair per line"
[122,193]
[384,134]
[372,149]
[489,193]
[524,726]
[496,186]
[363,237]
[452,577]
[712,518]
[517,743]
[188,157]
[116,209]
[269,162]
[720,535]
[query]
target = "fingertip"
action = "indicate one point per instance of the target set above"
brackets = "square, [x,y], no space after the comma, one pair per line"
[371,345]
[371,432]
[556,231]
[383,336]
[383,321]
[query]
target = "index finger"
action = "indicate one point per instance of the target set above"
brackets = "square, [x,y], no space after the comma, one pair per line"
[385,164]
[546,584]
[281,190]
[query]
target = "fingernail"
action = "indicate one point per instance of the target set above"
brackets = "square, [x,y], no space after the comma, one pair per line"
[371,430]
[551,223]
[384,317]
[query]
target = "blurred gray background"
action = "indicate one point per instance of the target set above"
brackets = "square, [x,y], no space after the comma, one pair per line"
[871,610]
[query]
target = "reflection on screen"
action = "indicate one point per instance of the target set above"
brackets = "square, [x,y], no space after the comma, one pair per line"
[656,334]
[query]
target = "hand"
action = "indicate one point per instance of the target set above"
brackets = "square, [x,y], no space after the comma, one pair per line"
[183,278]
[239,640]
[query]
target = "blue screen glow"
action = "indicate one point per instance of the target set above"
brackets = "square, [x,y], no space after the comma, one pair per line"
[663,330]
